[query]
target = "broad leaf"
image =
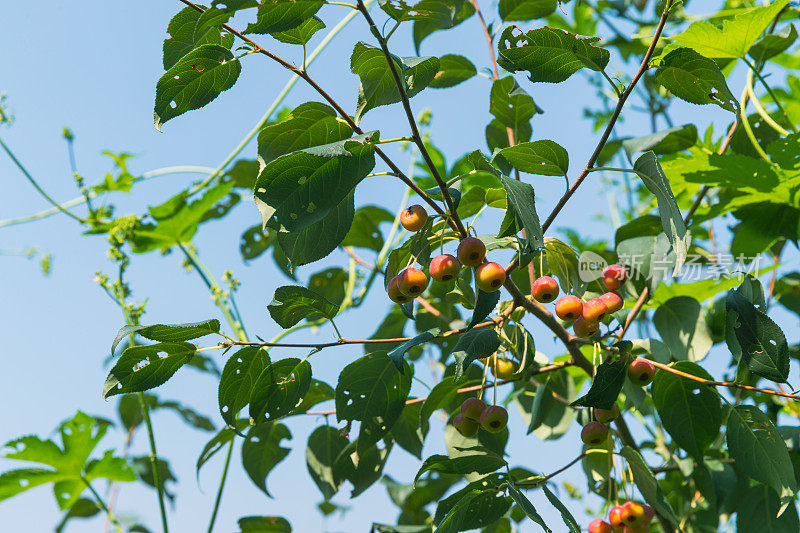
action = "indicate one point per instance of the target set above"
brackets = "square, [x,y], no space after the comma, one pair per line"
[512,108]
[326,465]
[189,29]
[262,451]
[453,69]
[546,158]
[648,485]
[302,33]
[696,79]
[378,85]
[690,412]
[293,303]
[606,385]
[760,452]
[477,463]
[521,214]
[283,15]
[142,368]
[279,388]
[475,344]
[194,81]
[485,303]
[264,524]
[760,511]
[168,332]
[763,344]
[397,355]
[526,9]
[549,55]
[772,44]
[663,142]
[372,391]
[681,322]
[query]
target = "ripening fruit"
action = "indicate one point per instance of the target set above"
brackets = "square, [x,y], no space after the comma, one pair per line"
[604,416]
[615,517]
[465,426]
[614,276]
[613,301]
[444,267]
[632,513]
[584,329]
[503,368]
[594,433]
[593,311]
[641,372]
[545,289]
[472,408]
[414,217]
[598,525]
[471,251]
[394,292]
[569,307]
[412,282]
[494,418]
[490,277]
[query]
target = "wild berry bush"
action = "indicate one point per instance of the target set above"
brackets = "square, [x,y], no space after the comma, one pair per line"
[677,435]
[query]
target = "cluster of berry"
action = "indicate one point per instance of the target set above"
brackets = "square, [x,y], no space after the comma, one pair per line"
[476,414]
[630,517]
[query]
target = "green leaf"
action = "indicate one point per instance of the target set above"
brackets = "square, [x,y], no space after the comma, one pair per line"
[472,507]
[279,389]
[696,79]
[475,344]
[169,332]
[378,86]
[365,230]
[408,432]
[526,9]
[298,189]
[759,510]
[293,303]
[477,463]
[437,11]
[282,15]
[261,451]
[453,70]
[215,444]
[326,465]
[648,259]
[736,35]
[663,142]
[772,44]
[549,55]
[397,354]
[369,468]
[521,214]
[442,395]
[606,385]
[657,183]
[681,322]
[264,524]
[318,392]
[643,226]
[372,391]
[760,451]
[546,158]
[569,520]
[189,29]
[194,81]
[302,33]
[763,344]
[690,412]
[485,302]
[142,368]
[526,505]
[308,125]
[513,108]
[448,14]
[648,485]
[144,470]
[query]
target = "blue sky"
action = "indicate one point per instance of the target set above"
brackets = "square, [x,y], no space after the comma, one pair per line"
[93,69]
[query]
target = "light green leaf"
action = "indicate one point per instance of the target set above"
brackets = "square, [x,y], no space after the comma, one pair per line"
[663,142]
[681,322]
[302,33]
[194,81]
[546,158]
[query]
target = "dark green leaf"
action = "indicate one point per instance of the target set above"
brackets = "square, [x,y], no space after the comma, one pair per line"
[648,485]
[453,69]
[397,355]
[526,505]
[763,344]
[293,303]
[302,33]
[194,81]
[522,207]
[485,302]
[264,524]
[513,108]
[526,9]
[142,368]
[549,55]
[478,463]
[261,451]
[324,459]
[408,432]
[772,44]
[169,332]
[279,388]
[372,391]
[448,15]
[663,142]
[690,412]
[759,510]
[760,452]
[569,520]
[696,79]
[475,344]
[189,29]
[365,230]
[282,15]
[607,382]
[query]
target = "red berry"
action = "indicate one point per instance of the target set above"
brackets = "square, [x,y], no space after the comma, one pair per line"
[471,251]
[615,517]
[598,525]
[569,307]
[444,267]
[633,513]
[394,292]
[490,277]
[545,289]
[412,282]
[594,310]
[594,433]
[641,372]
[414,217]
[613,301]
[614,276]
[494,418]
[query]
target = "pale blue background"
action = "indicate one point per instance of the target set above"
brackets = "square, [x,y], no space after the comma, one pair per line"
[92,66]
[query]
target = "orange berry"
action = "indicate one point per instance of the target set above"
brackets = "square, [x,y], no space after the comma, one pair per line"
[545,289]
[585,329]
[594,310]
[471,251]
[613,301]
[414,218]
[569,307]
[490,277]
[641,372]
[412,282]
[444,267]
[394,292]
[614,276]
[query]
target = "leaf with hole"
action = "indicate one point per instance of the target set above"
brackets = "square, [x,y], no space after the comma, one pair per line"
[279,388]
[262,451]
[142,368]
[238,381]
[763,345]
